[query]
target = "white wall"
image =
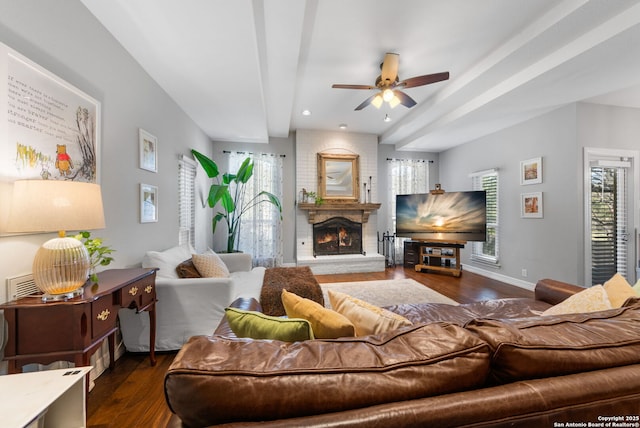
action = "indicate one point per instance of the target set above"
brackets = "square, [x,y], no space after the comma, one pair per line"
[549,247]
[64,38]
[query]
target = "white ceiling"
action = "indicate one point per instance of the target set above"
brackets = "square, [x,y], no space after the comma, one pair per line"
[244,70]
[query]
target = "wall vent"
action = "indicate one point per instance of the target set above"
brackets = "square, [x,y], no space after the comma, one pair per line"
[21,286]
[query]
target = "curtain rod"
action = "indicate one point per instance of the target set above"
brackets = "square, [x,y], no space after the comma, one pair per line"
[251,153]
[415,160]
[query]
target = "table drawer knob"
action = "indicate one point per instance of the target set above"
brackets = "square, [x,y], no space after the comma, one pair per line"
[133,291]
[104,315]
[148,289]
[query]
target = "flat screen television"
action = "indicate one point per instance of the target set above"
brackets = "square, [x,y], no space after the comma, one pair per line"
[449,216]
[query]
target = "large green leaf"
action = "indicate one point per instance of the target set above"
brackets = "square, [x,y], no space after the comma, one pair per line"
[219,216]
[273,199]
[245,171]
[227,202]
[217,192]
[209,166]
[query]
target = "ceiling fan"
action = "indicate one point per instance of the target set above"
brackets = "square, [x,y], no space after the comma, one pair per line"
[389,85]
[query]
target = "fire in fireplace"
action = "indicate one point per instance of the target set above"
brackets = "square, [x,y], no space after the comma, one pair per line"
[337,235]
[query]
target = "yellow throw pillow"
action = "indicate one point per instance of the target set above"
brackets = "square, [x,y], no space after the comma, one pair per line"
[257,325]
[210,265]
[367,318]
[618,290]
[326,324]
[588,300]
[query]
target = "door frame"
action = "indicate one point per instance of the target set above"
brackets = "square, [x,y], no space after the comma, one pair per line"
[591,153]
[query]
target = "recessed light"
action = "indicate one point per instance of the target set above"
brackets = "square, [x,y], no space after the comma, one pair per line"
[342,126]
[306,112]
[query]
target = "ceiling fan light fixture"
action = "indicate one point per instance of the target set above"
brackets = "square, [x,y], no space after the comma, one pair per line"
[394,101]
[388,95]
[377,101]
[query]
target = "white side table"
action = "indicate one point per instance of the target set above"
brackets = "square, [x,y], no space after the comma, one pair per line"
[50,398]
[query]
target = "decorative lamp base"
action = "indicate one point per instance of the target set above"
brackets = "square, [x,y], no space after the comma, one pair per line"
[61,268]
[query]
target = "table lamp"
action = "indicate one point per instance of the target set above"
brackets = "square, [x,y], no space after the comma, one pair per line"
[61,265]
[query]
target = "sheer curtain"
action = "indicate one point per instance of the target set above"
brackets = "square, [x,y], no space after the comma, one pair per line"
[406,176]
[261,228]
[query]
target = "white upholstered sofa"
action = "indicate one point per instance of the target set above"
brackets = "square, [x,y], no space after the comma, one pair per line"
[188,306]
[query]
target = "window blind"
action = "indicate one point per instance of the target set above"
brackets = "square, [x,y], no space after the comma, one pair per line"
[186,200]
[487,251]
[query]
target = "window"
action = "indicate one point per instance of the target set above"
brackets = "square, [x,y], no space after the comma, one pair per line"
[406,176]
[260,227]
[487,252]
[186,201]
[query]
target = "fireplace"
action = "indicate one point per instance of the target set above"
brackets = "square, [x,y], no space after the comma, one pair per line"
[337,235]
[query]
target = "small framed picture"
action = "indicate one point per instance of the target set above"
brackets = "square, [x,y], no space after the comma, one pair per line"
[531,171]
[531,205]
[148,203]
[148,151]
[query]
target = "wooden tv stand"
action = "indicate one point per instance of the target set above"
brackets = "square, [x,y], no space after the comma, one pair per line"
[440,256]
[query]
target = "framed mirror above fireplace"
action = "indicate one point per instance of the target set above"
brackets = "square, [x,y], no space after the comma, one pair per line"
[338,177]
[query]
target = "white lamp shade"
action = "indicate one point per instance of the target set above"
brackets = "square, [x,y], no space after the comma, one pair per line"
[55,205]
[61,265]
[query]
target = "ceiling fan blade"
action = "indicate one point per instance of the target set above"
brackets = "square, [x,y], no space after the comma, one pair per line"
[405,99]
[366,102]
[390,68]
[424,80]
[353,86]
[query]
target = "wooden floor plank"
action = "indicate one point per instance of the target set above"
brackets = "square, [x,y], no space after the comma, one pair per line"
[132,394]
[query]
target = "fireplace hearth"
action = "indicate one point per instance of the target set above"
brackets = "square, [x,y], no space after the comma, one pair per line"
[337,236]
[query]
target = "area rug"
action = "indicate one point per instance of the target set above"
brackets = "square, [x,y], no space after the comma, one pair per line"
[387,292]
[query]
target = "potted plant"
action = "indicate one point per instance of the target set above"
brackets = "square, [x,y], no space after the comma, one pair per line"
[230,192]
[99,255]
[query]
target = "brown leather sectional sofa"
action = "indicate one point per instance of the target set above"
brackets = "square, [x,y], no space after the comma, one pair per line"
[487,364]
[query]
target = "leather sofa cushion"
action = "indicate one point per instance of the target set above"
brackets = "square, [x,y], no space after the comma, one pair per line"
[421,313]
[528,348]
[249,380]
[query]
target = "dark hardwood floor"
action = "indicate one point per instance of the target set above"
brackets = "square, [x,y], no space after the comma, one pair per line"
[132,394]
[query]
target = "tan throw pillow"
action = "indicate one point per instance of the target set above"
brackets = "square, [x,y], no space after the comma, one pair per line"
[367,318]
[636,288]
[588,300]
[326,324]
[210,265]
[618,290]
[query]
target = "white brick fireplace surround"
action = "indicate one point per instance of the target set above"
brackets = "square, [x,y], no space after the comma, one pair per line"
[308,145]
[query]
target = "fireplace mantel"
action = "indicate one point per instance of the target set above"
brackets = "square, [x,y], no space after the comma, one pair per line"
[331,209]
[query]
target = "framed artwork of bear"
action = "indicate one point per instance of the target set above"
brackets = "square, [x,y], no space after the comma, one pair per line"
[53,128]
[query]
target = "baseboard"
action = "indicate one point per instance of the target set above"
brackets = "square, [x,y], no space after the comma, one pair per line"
[499,277]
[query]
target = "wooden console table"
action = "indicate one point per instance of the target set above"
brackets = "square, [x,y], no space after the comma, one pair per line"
[72,330]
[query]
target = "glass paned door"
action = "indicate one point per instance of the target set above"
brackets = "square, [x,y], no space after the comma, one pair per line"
[611,192]
[609,228]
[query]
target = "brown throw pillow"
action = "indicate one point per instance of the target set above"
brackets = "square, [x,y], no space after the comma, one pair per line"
[186,269]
